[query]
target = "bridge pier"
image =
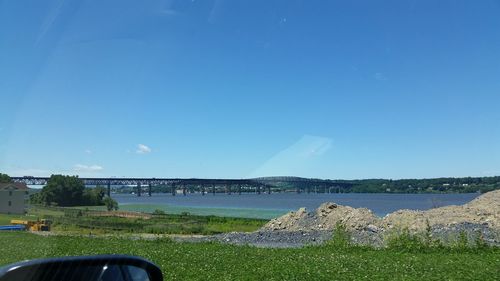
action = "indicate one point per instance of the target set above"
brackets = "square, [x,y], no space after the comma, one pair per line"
[228,189]
[213,189]
[109,189]
[184,190]
[257,189]
[173,189]
[149,190]
[239,189]
[202,190]
[138,189]
[268,190]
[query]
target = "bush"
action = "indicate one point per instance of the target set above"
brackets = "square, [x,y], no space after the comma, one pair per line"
[341,238]
[479,241]
[462,242]
[405,242]
[110,203]
[159,212]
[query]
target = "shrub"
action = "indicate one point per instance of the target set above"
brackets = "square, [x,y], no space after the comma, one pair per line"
[405,242]
[341,238]
[110,203]
[158,212]
[462,242]
[479,241]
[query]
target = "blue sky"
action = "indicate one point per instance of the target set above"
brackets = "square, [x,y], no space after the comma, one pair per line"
[236,89]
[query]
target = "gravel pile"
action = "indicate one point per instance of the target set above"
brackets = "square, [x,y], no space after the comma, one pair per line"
[450,233]
[275,239]
[484,210]
[326,217]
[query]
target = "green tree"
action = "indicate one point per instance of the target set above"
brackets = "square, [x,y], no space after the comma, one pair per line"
[110,203]
[94,196]
[36,198]
[4,178]
[63,191]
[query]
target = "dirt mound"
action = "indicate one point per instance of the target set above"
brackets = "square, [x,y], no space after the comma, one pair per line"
[484,210]
[325,217]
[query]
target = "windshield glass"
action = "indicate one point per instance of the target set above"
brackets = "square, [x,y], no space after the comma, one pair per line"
[192,120]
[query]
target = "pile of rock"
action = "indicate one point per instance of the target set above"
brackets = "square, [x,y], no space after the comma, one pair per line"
[481,215]
[484,210]
[326,217]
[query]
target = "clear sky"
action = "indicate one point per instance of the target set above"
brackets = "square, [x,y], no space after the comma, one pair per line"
[236,89]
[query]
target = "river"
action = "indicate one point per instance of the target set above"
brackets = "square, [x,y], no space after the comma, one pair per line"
[272,205]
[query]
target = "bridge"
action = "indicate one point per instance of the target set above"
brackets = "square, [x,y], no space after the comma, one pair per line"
[204,186]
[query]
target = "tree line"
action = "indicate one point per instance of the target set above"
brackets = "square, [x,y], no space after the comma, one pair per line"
[436,185]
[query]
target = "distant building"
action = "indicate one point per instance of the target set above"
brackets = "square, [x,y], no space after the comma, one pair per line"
[13,198]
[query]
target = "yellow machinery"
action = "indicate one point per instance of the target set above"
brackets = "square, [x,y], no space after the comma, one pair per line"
[38,225]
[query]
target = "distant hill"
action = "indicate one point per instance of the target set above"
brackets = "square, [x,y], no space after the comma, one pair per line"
[434,185]
[289,183]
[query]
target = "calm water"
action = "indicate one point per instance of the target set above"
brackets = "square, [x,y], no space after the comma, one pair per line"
[380,203]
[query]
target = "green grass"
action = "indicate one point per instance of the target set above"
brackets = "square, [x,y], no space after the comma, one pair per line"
[200,211]
[213,261]
[203,211]
[5,218]
[34,213]
[79,221]
[161,224]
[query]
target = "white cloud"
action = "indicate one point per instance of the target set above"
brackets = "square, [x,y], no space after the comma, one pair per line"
[142,149]
[88,151]
[86,168]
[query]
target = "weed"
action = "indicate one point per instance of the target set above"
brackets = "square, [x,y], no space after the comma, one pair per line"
[341,237]
[480,243]
[462,242]
[405,242]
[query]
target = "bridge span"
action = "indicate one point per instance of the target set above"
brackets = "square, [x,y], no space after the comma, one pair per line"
[204,186]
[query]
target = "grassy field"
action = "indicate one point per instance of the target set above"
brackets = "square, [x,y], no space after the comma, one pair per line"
[212,261]
[76,221]
[165,224]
